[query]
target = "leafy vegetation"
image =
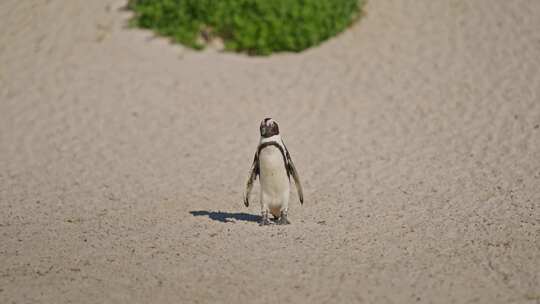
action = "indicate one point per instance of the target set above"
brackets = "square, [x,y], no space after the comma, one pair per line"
[255,26]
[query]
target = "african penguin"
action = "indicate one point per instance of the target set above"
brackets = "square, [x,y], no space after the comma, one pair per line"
[274,166]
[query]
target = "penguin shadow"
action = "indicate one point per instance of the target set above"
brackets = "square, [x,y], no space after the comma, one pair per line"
[227,217]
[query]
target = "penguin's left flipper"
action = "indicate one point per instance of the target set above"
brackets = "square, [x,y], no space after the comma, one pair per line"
[253,172]
[292,171]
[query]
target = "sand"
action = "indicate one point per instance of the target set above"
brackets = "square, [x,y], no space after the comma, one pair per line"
[416,134]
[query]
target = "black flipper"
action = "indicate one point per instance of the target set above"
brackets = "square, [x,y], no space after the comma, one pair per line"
[292,171]
[253,172]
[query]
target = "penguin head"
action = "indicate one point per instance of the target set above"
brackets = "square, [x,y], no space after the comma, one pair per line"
[269,127]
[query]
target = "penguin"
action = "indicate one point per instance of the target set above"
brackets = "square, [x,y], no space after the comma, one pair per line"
[274,166]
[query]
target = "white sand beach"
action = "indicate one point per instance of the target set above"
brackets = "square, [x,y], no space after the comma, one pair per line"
[416,134]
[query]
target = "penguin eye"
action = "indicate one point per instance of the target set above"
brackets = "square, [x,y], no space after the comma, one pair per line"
[275,128]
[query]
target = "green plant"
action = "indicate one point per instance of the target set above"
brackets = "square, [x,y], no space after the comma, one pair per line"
[255,26]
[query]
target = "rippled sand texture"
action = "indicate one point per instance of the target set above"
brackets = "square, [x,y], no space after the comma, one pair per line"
[416,133]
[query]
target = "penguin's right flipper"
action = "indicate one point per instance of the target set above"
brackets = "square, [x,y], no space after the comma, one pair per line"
[253,172]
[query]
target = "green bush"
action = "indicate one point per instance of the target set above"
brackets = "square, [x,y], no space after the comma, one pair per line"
[255,26]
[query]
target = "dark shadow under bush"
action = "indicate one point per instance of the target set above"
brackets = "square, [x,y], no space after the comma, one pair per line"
[258,27]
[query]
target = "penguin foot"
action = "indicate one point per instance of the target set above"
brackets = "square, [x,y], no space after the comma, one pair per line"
[283,219]
[265,221]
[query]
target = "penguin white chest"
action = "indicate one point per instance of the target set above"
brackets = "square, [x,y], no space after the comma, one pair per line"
[273,175]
